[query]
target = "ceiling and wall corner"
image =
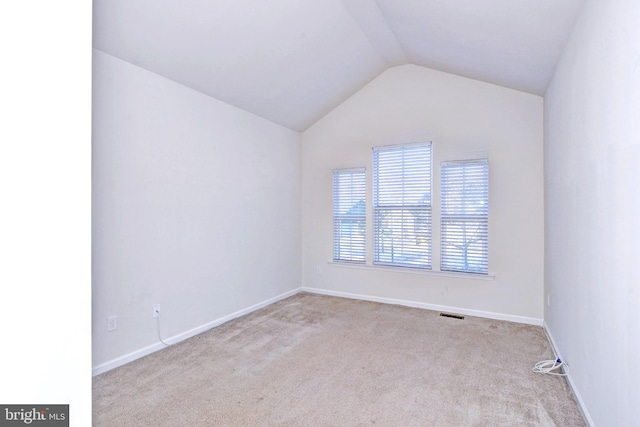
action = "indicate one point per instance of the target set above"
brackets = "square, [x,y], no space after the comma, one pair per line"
[293,61]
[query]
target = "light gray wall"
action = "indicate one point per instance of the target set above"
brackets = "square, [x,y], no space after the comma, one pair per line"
[196,206]
[465,119]
[592,210]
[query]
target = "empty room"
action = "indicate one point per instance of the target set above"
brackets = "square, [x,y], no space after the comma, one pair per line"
[359,212]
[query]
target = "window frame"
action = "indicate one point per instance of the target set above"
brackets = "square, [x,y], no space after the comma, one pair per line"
[455,257]
[418,212]
[340,218]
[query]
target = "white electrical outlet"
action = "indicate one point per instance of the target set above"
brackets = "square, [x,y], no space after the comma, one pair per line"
[156,310]
[548,300]
[112,323]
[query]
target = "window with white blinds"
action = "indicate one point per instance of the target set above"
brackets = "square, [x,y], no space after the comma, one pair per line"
[349,215]
[402,205]
[464,216]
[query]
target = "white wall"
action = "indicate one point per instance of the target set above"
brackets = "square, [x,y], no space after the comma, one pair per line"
[196,206]
[592,210]
[465,119]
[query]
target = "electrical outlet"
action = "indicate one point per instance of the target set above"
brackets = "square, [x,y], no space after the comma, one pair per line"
[156,310]
[318,269]
[112,323]
[548,300]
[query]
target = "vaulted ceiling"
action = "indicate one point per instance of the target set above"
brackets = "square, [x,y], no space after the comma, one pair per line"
[293,61]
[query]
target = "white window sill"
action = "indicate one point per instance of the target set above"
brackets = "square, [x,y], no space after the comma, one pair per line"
[410,270]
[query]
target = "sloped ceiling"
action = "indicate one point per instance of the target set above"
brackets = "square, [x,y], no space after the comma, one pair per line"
[292,61]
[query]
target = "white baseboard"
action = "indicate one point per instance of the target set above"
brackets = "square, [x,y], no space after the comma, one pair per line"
[123,360]
[572,386]
[434,307]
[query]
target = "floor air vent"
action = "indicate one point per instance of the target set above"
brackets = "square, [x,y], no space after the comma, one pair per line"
[453,316]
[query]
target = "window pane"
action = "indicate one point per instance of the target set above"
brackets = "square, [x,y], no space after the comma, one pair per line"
[464,246]
[349,215]
[349,239]
[404,237]
[402,175]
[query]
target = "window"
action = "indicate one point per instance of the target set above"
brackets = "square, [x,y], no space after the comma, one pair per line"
[402,205]
[465,216]
[349,215]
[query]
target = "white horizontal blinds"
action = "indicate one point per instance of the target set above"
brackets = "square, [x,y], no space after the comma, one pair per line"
[465,216]
[402,205]
[349,215]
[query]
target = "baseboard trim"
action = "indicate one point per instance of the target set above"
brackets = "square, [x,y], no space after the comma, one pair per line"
[434,307]
[572,385]
[127,358]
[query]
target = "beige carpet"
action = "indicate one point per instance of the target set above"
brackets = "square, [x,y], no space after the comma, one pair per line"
[313,360]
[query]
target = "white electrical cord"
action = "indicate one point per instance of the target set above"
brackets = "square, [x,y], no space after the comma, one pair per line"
[159,337]
[548,366]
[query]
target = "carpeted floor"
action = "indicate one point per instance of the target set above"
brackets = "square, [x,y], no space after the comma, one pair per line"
[313,360]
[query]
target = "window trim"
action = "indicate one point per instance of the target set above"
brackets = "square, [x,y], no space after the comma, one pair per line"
[419,271]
